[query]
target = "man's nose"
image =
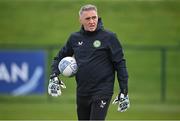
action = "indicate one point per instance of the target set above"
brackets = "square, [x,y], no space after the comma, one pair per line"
[91,20]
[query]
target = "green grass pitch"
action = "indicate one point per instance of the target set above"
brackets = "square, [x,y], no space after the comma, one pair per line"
[136,22]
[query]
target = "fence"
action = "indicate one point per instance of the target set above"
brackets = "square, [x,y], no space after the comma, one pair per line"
[50,49]
[163,62]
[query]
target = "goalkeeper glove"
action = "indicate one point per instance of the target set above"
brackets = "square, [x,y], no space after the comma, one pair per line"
[55,84]
[122,101]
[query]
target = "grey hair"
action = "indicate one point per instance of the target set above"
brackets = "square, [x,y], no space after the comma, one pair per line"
[87,8]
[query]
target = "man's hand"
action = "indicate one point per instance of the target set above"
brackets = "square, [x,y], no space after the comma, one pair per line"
[122,101]
[54,87]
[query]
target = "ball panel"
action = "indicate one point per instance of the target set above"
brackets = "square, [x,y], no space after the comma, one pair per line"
[68,66]
[63,64]
[73,66]
[67,71]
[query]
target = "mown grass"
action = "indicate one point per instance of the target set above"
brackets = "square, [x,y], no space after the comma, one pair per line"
[154,23]
[63,108]
[51,22]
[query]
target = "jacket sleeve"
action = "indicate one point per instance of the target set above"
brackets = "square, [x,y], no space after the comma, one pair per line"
[117,57]
[66,50]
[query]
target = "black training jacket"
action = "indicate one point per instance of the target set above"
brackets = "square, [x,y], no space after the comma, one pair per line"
[98,54]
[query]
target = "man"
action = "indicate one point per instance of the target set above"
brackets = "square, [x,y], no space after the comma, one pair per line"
[98,54]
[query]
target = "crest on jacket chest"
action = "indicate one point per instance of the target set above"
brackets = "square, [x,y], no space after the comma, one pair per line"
[97,43]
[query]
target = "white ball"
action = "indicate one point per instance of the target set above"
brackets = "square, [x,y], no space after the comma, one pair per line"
[68,66]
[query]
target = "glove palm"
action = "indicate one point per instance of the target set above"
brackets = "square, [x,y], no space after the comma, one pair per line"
[122,101]
[54,87]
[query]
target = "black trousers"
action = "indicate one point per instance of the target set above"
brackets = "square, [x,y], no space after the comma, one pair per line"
[92,107]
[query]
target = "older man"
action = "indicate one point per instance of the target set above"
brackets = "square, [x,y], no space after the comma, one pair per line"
[99,55]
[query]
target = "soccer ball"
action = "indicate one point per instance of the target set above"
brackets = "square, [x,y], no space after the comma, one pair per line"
[68,66]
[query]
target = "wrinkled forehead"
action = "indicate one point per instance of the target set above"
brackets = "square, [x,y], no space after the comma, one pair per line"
[88,13]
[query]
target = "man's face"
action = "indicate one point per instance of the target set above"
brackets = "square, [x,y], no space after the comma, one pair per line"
[89,20]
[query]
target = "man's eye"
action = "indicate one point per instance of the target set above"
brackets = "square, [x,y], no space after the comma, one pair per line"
[94,17]
[88,18]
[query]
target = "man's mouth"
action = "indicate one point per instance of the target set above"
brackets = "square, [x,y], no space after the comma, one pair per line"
[92,26]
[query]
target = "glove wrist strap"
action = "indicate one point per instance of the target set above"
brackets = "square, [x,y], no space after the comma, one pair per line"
[53,75]
[55,80]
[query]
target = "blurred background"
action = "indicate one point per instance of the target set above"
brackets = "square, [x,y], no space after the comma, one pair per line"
[32,32]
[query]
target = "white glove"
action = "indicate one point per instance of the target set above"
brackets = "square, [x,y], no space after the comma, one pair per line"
[122,101]
[54,87]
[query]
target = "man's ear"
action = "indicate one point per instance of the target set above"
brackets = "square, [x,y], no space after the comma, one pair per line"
[80,20]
